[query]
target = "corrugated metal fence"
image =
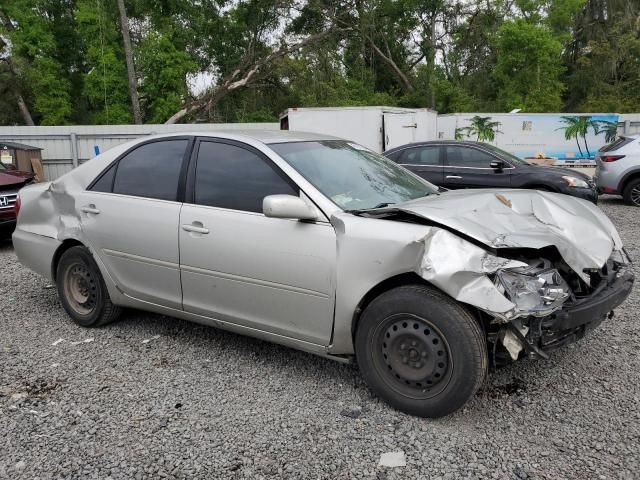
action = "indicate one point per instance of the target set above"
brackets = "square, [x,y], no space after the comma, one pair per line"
[65,147]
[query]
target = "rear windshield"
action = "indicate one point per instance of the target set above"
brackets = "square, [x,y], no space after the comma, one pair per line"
[619,143]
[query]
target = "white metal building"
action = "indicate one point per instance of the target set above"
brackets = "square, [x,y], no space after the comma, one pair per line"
[377,128]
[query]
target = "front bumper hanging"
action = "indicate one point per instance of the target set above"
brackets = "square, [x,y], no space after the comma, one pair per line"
[573,321]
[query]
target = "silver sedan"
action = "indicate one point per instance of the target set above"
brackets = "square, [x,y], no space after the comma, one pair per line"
[319,244]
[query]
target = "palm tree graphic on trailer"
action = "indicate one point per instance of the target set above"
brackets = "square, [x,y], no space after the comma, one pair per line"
[481,127]
[578,127]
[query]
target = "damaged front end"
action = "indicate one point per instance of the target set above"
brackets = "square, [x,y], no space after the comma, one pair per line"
[555,306]
[542,269]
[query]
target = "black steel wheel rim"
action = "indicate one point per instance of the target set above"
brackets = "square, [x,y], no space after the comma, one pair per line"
[80,288]
[413,356]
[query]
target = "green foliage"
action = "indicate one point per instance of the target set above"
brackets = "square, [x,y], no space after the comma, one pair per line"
[528,67]
[51,91]
[164,70]
[68,59]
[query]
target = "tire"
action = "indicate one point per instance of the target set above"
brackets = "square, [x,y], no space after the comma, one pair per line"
[631,193]
[82,290]
[446,355]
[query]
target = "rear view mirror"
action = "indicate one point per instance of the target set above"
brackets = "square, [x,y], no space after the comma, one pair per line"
[497,164]
[287,206]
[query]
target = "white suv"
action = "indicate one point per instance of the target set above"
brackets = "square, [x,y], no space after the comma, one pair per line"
[618,169]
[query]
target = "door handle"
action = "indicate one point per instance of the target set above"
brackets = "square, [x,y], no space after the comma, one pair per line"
[195,227]
[90,209]
[454,176]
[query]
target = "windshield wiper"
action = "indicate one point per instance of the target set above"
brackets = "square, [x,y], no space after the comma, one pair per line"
[357,211]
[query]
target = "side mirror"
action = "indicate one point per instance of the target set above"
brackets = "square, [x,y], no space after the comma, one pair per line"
[287,206]
[497,164]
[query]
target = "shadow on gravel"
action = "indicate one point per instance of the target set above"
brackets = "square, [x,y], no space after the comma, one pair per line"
[138,323]
[515,386]
[5,243]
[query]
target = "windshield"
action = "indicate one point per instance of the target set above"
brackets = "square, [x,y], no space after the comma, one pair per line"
[510,157]
[2,167]
[351,176]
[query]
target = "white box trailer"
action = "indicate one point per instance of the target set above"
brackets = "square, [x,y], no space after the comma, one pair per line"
[377,128]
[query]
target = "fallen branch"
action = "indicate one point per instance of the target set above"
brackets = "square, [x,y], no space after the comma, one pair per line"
[242,76]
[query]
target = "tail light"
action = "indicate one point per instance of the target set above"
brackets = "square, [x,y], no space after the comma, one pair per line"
[17,205]
[611,158]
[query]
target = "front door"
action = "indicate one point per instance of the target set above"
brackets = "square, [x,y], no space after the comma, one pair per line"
[237,265]
[470,167]
[131,216]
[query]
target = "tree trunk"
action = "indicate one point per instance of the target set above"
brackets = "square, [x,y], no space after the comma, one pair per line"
[22,106]
[404,80]
[24,110]
[131,69]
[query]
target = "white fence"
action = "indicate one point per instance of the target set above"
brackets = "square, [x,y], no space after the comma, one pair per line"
[64,148]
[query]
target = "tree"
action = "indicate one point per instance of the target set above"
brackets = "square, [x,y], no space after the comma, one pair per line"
[528,67]
[131,69]
[245,73]
[104,73]
[603,57]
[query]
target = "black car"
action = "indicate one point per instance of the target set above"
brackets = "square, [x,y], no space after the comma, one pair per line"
[452,164]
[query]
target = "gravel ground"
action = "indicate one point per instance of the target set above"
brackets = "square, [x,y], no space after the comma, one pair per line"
[152,396]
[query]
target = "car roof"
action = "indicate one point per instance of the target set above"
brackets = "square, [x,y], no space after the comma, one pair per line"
[264,136]
[468,143]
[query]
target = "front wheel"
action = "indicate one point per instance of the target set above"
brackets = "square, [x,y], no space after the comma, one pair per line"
[82,290]
[420,351]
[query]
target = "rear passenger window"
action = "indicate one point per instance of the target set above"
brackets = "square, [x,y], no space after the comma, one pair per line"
[429,156]
[232,177]
[151,170]
[105,182]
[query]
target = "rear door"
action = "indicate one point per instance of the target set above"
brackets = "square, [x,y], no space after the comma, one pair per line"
[130,216]
[425,161]
[399,129]
[469,167]
[237,265]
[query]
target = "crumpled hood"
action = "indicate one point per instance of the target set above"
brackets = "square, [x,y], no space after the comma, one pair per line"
[512,218]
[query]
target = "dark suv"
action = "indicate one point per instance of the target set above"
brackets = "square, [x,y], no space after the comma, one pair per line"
[10,182]
[453,164]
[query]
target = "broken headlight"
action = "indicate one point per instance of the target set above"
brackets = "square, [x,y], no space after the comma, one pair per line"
[537,289]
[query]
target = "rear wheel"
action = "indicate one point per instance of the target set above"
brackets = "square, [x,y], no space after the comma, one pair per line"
[631,192]
[420,351]
[82,290]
